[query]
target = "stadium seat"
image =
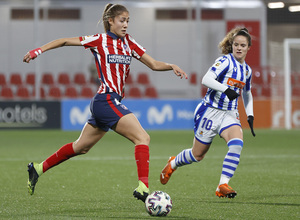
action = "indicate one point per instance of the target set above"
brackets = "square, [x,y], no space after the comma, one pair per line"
[16,79]
[87,92]
[150,92]
[2,79]
[48,79]
[129,80]
[42,93]
[134,92]
[79,79]
[54,92]
[7,93]
[22,92]
[63,79]
[143,79]
[30,79]
[71,92]
[193,78]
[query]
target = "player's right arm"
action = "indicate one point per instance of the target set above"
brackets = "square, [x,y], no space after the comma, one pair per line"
[72,41]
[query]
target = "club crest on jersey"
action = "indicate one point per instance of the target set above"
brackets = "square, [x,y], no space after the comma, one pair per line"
[126,47]
[118,58]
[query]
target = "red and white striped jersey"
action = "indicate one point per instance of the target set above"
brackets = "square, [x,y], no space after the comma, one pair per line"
[112,57]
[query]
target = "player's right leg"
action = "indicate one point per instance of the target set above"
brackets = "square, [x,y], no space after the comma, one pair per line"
[185,157]
[129,127]
[90,135]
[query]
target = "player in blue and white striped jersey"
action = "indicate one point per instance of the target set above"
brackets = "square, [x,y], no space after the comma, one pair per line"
[227,79]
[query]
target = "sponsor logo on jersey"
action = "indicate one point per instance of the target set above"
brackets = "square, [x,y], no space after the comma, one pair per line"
[235,83]
[120,59]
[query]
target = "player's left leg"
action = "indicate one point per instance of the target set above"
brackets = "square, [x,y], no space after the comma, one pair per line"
[90,135]
[129,127]
[234,138]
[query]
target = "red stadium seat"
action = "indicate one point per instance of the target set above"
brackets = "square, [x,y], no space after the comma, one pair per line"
[63,79]
[129,80]
[143,79]
[193,78]
[16,79]
[48,79]
[7,93]
[150,92]
[30,79]
[2,79]
[71,92]
[79,79]
[42,93]
[54,92]
[87,92]
[22,92]
[134,92]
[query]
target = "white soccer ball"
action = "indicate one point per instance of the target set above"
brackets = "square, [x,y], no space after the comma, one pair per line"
[158,203]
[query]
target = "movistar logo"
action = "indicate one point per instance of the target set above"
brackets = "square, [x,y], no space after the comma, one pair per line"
[155,116]
[79,117]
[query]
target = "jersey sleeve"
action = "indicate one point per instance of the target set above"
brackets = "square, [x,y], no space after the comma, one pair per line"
[248,80]
[137,49]
[221,64]
[90,41]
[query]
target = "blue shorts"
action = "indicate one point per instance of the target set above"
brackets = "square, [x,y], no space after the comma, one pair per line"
[106,110]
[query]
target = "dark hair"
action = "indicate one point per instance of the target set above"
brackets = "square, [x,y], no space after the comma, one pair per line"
[226,44]
[111,11]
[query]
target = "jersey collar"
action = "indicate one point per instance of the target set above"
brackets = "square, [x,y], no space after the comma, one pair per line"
[114,36]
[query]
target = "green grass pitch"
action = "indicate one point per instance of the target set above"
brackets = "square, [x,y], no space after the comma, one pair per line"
[99,185]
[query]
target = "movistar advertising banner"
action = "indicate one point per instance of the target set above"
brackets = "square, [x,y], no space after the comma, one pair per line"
[152,114]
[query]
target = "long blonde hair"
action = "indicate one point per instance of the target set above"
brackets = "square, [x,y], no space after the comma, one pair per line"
[226,44]
[111,11]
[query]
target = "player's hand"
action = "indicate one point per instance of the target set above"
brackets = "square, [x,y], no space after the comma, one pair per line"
[179,72]
[31,55]
[231,94]
[250,120]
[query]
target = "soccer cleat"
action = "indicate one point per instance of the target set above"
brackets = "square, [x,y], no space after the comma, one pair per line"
[225,191]
[33,177]
[141,192]
[167,172]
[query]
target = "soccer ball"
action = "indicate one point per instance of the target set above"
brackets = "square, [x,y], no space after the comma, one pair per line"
[158,203]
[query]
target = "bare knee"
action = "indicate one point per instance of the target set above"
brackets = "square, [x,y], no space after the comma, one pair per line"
[143,139]
[81,149]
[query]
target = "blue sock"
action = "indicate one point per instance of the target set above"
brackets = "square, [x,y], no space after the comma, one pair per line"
[231,160]
[183,158]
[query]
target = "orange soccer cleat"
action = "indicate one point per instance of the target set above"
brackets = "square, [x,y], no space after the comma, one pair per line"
[167,172]
[225,191]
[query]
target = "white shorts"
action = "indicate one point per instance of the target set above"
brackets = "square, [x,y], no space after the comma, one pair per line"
[212,121]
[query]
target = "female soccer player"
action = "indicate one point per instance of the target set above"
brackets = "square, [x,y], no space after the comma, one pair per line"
[217,113]
[113,51]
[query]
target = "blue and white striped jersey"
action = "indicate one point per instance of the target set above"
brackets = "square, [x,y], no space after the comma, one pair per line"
[233,74]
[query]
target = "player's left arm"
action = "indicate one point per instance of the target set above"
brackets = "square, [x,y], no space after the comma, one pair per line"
[73,41]
[248,103]
[156,65]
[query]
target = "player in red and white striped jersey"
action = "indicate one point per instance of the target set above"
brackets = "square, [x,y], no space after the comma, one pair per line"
[113,51]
